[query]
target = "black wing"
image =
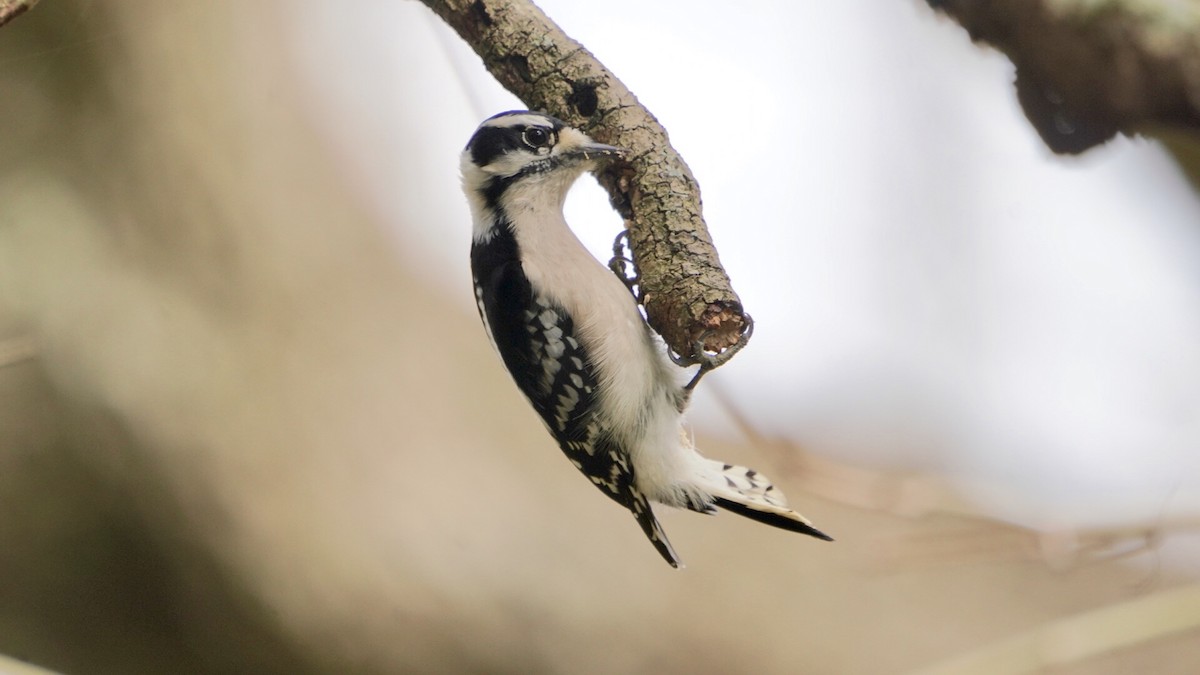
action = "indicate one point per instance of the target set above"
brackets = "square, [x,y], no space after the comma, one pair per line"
[537,341]
[539,347]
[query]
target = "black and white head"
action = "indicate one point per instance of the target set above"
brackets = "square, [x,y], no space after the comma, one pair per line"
[525,155]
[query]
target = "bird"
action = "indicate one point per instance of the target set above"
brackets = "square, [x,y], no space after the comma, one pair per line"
[572,336]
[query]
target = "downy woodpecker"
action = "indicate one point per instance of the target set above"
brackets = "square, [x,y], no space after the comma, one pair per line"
[573,338]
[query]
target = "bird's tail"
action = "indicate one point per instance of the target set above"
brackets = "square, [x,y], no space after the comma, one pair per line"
[640,506]
[748,493]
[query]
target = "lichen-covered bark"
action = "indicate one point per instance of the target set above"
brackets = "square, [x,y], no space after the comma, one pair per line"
[1088,69]
[687,295]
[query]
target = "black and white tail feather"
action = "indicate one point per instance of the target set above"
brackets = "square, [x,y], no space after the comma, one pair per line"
[571,335]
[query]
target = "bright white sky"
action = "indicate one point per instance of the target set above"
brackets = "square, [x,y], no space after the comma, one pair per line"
[932,288]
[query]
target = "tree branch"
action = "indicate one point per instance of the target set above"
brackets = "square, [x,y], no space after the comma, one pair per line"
[1087,635]
[1087,69]
[687,294]
[11,9]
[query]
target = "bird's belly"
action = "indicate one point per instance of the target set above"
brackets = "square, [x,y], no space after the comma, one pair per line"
[611,329]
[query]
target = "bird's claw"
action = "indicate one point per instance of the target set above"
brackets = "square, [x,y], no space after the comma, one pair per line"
[711,360]
[621,265]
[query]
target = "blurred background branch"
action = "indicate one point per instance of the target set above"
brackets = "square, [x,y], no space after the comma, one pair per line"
[11,9]
[1088,635]
[1087,70]
[11,666]
[977,535]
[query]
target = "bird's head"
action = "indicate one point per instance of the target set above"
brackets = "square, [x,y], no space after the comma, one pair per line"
[528,147]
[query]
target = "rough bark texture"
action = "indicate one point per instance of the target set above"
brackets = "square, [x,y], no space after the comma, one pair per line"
[1088,69]
[687,295]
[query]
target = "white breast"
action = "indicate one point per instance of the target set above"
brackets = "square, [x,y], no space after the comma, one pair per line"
[637,382]
[607,320]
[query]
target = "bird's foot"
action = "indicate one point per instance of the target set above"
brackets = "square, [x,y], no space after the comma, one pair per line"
[622,265]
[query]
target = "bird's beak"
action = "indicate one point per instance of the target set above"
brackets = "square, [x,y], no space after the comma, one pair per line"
[589,151]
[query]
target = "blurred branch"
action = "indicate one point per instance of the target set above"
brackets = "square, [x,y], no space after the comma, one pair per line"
[11,666]
[1087,69]
[11,9]
[912,495]
[1083,636]
[687,294]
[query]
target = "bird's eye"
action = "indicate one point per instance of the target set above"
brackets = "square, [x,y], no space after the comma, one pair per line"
[536,137]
